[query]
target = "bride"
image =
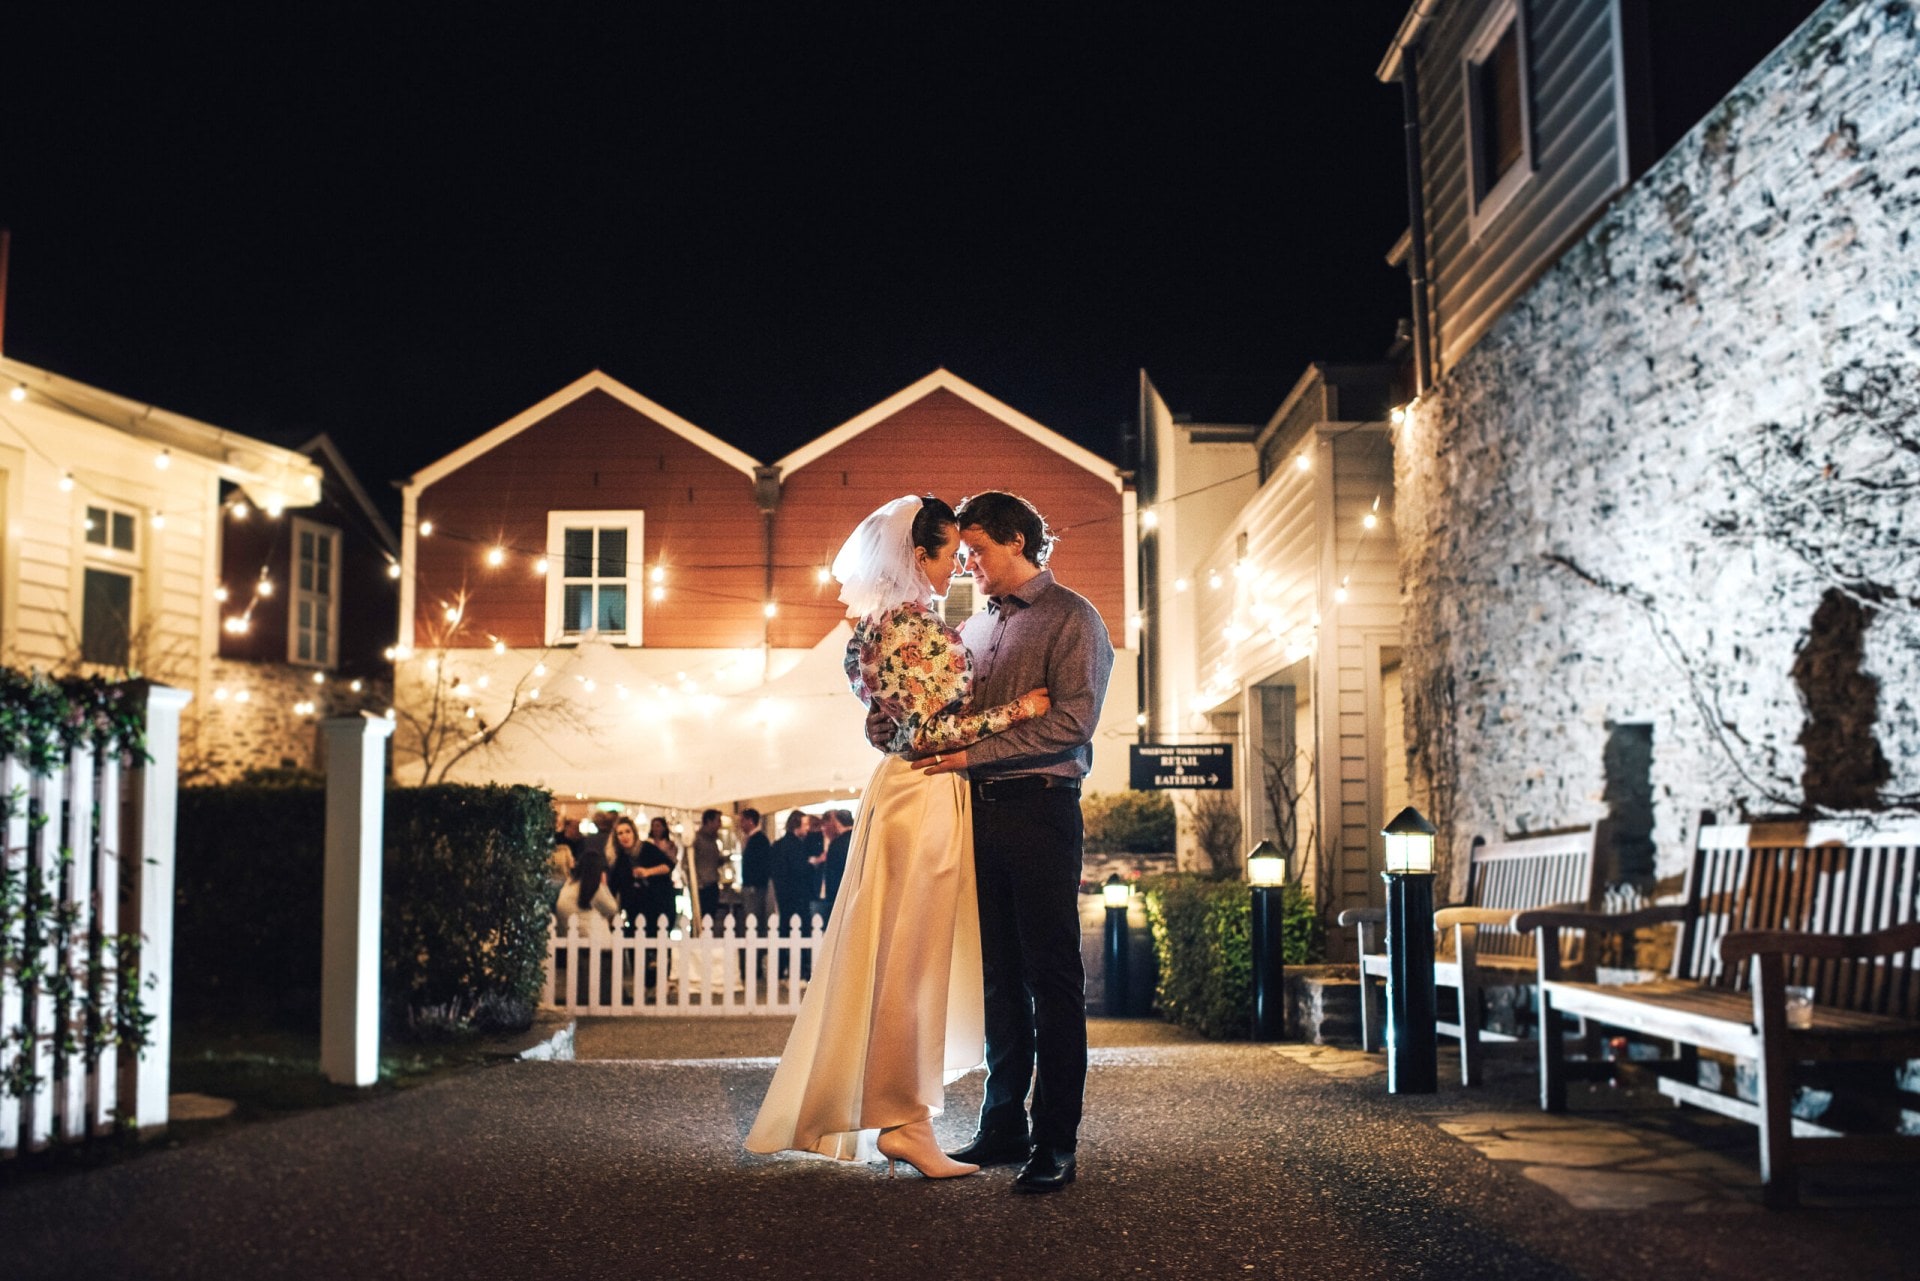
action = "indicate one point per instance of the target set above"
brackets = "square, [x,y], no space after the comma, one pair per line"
[894,1012]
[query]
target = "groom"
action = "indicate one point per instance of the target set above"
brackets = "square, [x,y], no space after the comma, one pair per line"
[1026,836]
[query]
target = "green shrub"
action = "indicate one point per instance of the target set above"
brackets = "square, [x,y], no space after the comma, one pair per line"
[1202,938]
[1128,822]
[465,904]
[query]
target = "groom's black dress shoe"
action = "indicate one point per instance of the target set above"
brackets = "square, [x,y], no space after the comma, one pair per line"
[1048,1170]
[994,1149]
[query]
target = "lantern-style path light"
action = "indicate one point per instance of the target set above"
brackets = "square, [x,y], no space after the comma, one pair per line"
[1117,895]
[1412,1051]
[1267,873]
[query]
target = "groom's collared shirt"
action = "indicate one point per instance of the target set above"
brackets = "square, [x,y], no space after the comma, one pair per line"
[1041,634]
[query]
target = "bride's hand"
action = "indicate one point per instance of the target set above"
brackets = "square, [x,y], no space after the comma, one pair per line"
[1035,702]
[880,727]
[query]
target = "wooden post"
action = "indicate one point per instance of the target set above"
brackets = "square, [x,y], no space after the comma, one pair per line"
[147,879]
[350,914]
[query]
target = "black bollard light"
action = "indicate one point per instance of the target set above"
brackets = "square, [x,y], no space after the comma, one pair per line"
[1267,873]
[1412,1050]
[1116,893]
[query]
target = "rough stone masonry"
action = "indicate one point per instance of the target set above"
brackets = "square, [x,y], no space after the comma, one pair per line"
[1675,490]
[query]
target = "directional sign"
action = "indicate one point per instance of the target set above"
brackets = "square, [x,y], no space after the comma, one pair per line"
[1189,765]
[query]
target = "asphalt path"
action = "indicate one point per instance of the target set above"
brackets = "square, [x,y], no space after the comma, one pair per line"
[1198,1160]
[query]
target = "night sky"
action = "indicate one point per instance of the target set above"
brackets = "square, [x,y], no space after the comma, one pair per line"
[765,217]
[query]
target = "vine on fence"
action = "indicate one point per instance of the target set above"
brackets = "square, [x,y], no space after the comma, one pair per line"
[41,721]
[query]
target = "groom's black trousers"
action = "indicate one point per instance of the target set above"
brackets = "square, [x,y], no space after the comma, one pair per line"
[1026,850]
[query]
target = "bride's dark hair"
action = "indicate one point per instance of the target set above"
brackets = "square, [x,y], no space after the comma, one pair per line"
[931,524]
[591,868]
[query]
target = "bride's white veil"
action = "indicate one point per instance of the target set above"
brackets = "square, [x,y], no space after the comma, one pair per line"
[875,566]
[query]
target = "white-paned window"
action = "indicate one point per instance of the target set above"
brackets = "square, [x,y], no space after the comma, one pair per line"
[963,601]
[596,576]
[313,634]
[1499,112]
[112,566]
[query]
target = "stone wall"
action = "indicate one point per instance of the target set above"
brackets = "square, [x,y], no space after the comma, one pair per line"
[254,716]
[1677,485]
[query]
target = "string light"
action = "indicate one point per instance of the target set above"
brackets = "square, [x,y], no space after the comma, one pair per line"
[453,613]
[657,574]
[1241,569]
[266,584]
[658,593]
[66,483]
[824,576]
[1179,584]
[357,686]
[220,593]
[540,566]
[319,678]
[1303,462]
[1149,519]
[1399,415]
[1140,718]
[1214,580]
[1372,517]
[499,647]
[393,570]
[426,528]
[159,520]
[1340,592]
[497,556]
[163,459]
[241,511]
[18,393]
[770,609]
[539,669]
[274,506]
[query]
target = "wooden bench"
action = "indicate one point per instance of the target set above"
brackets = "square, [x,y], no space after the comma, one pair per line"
[1479,945]
[1825,905]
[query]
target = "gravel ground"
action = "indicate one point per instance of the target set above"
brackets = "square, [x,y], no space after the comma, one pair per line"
[1198,1160]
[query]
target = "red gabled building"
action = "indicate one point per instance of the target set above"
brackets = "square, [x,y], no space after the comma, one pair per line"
[597,593]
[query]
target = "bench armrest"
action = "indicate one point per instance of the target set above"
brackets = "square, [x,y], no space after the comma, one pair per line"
[1448,917]
[1618,923]
[1363,916]
[1738,945]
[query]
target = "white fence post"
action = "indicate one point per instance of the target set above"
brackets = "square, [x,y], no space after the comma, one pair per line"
[149,886]
[350,915]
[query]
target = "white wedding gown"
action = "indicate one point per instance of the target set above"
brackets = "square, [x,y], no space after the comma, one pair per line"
[894,1012]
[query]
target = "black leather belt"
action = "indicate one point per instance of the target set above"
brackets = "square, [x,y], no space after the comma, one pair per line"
[999,789]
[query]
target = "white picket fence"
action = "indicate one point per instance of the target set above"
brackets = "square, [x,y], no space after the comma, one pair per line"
[723,972]
[100,841]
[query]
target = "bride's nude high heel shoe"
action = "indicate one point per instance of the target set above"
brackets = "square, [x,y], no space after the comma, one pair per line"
[915,1145]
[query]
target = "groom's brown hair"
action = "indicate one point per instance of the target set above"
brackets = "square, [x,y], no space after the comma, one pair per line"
[1001,515]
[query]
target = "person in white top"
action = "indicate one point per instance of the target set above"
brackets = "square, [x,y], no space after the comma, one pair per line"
[585,898]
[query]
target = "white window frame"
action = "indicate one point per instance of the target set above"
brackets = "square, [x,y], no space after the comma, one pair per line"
[634,522]
[1482,209]
[106,557]
[295,594]
[979,601]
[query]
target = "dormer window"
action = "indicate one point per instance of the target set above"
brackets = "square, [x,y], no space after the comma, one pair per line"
[1499,115]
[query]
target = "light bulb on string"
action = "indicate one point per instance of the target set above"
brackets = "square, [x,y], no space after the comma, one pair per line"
[163,460]
[220,593]
[1303,462]
[770,609]
[241,511]
[393,570]
[1149,519]
[66,483]
[1213,579]
[657,574]
[17,393]
[823,576]
[496,556]
[266,584]
[540,566]
[159,520]
[658,593]
[1179,584]
[426,528]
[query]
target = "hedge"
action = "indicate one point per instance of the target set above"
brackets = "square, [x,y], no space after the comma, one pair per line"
[1202,937]
[465,909]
